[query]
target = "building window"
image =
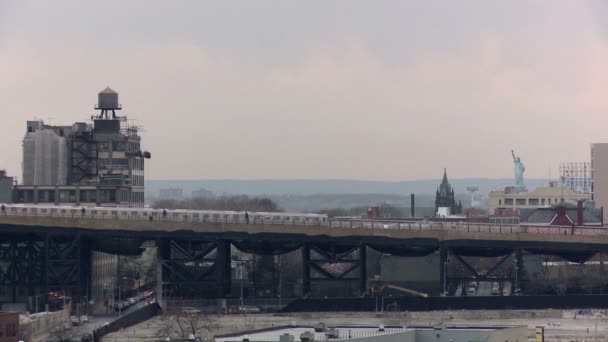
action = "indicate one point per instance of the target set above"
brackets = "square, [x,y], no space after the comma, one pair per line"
[118,146]
[499,202]
[533,201]
[520,201]
[120,162]
[103,163]
[104,147]
[508,201]
[542,201]
[549,201]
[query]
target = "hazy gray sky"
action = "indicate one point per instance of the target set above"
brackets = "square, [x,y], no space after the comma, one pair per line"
[377,90]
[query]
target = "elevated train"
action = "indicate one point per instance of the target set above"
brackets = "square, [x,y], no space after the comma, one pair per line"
[150,214]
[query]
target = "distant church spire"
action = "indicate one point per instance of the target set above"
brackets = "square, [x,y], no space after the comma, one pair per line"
[445,196]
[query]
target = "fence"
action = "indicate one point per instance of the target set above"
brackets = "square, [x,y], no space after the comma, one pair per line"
[449,303]
[231,305]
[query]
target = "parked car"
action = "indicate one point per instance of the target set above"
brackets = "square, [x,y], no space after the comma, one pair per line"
[495,291]
[74,320]
[190,310]
[84,319]
[249,308]
[471,291]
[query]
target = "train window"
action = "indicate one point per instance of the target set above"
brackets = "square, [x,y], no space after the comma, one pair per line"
[134,213]
[287,218]
[53,210]
[206,216]
[63,211]
[216,216]
[196,215]
[33,210]
[44,211]
[114,212]
[175,215]
[124,213]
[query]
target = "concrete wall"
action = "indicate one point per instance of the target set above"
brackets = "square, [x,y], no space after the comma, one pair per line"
[599,173]
[454,231]
[408,336]
[515,334]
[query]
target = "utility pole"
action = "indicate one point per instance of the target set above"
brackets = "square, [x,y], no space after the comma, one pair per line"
[119,303]
[445,277]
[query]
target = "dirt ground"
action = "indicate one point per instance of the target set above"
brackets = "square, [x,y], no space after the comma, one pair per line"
[563,326]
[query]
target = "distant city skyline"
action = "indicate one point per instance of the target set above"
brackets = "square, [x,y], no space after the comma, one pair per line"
[384,91]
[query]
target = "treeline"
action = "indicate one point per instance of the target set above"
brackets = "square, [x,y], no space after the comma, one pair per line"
[386,210]
[234,203]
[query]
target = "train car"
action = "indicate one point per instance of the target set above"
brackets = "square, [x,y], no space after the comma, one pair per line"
[176,215]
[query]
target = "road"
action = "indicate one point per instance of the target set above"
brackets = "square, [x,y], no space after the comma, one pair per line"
[94,322]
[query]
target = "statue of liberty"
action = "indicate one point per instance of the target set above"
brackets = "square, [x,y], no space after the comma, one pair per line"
[519,168]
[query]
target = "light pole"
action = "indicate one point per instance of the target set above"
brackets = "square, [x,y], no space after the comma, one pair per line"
[516,272]
[119,301]
[445,277]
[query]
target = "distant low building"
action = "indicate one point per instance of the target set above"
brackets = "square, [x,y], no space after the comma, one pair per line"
[513,198]
[583,214]
[202,193]
[6,188]
[174,194]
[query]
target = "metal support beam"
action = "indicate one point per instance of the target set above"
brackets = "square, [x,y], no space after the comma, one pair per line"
[500,262]
[363,268]
[466,265]
[443,268]
[305,270]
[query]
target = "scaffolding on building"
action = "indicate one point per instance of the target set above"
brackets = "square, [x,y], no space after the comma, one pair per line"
[576,176]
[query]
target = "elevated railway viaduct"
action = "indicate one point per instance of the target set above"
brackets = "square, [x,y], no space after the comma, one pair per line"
[42,254]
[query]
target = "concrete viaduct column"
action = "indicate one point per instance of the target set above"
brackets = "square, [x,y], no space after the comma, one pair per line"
[223,268]
[163,254]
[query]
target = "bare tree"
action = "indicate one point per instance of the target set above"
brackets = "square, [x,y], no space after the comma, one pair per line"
[183,325]
[62,332]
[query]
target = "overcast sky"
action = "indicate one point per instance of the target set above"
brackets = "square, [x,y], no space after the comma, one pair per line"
[374,90]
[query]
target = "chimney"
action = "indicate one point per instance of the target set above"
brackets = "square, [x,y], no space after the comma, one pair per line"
[579,213]
[412,206]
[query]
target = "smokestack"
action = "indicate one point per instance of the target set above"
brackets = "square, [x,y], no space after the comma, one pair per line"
[579,213]
[412,206]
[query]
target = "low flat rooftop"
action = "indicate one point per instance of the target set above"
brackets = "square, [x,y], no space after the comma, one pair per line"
[345,332]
